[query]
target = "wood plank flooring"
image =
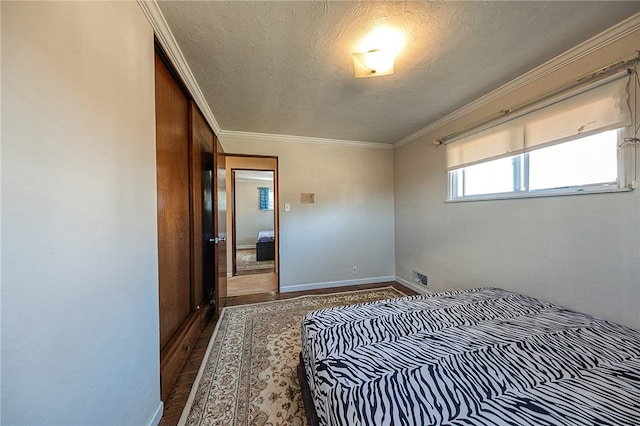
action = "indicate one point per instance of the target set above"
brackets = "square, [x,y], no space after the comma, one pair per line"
[250,284]
[178,397]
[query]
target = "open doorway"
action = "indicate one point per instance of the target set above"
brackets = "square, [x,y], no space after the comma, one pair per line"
[253,219]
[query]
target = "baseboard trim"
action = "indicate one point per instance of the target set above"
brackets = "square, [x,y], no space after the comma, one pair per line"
[413,286]
[155,418]
[331,284]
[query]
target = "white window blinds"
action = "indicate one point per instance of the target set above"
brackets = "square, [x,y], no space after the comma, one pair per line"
[598,107]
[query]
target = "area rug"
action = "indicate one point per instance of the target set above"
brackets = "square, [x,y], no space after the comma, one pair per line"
[246,261]
[248,375]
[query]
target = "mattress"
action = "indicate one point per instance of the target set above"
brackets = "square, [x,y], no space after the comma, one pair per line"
[470,357]
[266,237]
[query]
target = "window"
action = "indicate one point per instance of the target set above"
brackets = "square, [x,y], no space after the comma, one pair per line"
[568,145]
[586,161]
[270,205]
[590,162]
[492,177]
[266,201]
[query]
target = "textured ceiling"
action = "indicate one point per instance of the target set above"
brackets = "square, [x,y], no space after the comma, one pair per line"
[285,67]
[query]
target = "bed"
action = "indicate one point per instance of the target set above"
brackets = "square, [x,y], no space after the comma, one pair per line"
[265,246]
[469,357]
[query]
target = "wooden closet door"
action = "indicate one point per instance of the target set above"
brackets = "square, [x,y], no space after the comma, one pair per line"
[202,207]
[172,160]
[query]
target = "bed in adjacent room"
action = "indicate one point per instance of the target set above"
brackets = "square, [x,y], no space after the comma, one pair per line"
[468,357]
[265,246]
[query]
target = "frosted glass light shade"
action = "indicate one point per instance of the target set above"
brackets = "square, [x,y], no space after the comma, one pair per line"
[373,63]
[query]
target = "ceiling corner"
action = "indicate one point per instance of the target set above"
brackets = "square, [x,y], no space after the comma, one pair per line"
[168,43]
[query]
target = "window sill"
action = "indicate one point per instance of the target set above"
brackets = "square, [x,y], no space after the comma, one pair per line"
[547,193]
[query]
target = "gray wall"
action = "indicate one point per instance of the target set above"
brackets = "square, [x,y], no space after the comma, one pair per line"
[79,241]
[581,251]
[249,218]
[351,222]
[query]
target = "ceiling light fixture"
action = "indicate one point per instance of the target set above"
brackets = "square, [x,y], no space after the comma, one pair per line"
[373,63]
[377,53]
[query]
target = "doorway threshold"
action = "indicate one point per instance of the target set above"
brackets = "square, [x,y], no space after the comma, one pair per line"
[241,285]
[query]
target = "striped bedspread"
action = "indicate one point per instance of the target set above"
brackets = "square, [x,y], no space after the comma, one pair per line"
[470,357]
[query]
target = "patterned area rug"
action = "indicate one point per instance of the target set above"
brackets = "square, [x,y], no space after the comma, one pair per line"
[248,375]
[246,261]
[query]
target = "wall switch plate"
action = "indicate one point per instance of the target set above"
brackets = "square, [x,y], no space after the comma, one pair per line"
[287,207]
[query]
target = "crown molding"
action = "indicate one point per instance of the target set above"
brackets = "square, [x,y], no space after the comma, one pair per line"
[170,45]
[227,135]
[585,48]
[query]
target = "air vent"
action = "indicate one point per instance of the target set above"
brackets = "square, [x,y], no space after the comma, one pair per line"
[420,278]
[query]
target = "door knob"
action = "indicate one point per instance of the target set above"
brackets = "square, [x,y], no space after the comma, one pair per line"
[217,240]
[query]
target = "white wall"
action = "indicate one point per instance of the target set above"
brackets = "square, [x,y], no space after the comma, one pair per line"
[351,222]
[0,217]
[249,218]
[580,251]
[79,241]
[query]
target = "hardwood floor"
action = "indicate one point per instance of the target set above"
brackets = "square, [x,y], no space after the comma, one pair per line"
[248,284]
[178,397]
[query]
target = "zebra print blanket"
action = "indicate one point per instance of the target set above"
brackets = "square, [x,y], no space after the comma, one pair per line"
[470,357]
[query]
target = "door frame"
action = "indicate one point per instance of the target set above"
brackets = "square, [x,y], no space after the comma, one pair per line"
[220,226]
[234,247]
[258,163]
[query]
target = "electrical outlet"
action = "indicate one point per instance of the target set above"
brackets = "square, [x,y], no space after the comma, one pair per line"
[355,270]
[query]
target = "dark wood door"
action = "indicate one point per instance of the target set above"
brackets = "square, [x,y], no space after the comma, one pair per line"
[172,162]
[203,208]
[220,205]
